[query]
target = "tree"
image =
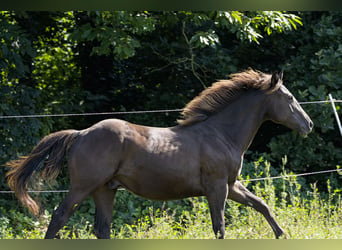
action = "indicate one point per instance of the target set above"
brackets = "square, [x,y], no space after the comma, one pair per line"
[178,43]
[314,73]
[63,62]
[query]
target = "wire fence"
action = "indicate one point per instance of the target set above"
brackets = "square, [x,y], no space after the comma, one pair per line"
[332,101]
[339,171]
[92,114]
[128,112]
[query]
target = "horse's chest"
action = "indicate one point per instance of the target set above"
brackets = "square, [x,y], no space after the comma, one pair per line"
[218,164]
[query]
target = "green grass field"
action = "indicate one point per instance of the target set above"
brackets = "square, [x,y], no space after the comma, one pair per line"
[302,218]
[303,214]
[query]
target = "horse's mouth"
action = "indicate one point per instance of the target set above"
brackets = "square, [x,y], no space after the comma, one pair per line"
[305,130]
[304,135]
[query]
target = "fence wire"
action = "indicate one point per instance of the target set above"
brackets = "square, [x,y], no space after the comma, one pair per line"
[339,171]
[90,114]
[127,112]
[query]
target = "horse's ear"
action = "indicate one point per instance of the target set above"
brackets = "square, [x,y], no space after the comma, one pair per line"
[281,74]
[276,77]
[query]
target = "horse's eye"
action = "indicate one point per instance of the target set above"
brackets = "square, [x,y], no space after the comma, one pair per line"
[291,98]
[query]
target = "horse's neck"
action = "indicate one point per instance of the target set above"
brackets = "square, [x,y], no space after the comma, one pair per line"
[240,121]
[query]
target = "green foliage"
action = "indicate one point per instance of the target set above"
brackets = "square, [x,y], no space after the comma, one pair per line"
[313,73]
[15,48]
[250,26]
[114,31]
[18,135]
[23,92]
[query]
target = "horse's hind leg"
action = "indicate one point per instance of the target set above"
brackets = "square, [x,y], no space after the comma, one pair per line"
[64,211]
[104,199]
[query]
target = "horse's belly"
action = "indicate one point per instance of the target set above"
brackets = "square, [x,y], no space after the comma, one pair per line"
[159,183]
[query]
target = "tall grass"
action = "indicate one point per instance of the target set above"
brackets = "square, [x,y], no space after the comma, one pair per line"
[303,214]
[301,218]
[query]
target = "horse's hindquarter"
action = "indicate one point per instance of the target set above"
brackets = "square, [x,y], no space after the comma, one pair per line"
[160,163]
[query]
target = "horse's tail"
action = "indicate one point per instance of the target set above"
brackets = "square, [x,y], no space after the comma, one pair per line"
[46,157]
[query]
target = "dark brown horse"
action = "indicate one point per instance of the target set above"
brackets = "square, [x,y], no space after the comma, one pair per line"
[202,156]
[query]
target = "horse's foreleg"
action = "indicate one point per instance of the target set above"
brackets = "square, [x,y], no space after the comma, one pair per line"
[241,194]
[104,199]
[63,212]
[217,195]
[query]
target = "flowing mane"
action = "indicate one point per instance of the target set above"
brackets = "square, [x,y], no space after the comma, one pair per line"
[222,92]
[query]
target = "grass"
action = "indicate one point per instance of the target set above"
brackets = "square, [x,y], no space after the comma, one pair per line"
[302,214]
[306,220]
[309,218]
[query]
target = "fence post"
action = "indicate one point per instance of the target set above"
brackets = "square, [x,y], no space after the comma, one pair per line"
[335,112]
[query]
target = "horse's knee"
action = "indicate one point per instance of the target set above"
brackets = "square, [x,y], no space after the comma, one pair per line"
[262,207]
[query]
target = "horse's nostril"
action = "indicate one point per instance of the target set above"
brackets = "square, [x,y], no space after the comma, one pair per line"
[311,124]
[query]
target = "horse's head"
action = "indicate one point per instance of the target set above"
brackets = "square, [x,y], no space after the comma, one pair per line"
[283,108]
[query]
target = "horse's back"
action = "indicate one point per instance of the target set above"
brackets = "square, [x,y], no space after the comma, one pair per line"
[108,143]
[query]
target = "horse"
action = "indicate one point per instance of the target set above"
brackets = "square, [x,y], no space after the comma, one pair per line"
[200,156]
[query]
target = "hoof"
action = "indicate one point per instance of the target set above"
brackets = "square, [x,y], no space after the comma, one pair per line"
[282,237]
